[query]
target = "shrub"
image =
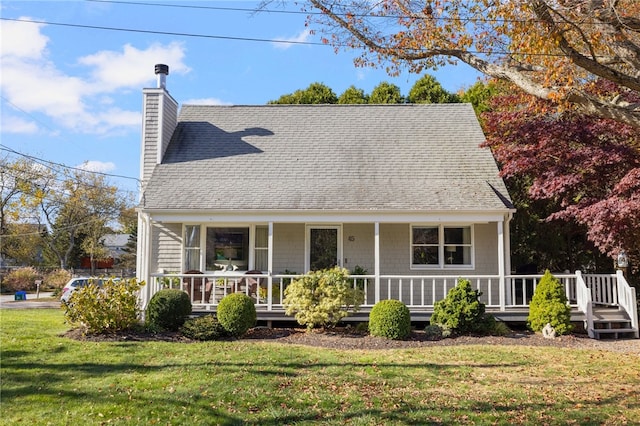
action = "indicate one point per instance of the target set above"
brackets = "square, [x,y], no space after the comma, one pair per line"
[549,306]
[321,298]
[236,313]
[57,279]
[390,319]
[461,311]
[433,332]
[111,308]
[500,329]
[20,279]
[205,327]
[168,309]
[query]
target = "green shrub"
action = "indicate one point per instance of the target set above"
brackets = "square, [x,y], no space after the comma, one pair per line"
[390,319]
[236,313]
[205,327]
[20,279]
[500,329]
[111,308]
[461,311]
[549,306]
[168,309]
[321,298]
[433,332]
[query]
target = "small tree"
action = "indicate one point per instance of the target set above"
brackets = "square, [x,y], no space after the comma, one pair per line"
[460,311]
[549,306]
[321,298]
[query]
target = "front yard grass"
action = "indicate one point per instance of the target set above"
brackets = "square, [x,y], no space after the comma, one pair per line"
[52,380]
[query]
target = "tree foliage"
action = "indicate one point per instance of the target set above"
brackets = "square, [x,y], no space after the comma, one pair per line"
[353,95]
[553,50]
[386,93]
[586,169]
[427,90]
[316,93]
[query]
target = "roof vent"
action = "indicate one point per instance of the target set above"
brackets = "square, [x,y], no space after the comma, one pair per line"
[162,71]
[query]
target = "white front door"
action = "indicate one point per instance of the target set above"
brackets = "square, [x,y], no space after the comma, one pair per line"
[324,247]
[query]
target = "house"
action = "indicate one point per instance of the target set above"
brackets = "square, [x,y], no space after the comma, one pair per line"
[403,194]
[115,246]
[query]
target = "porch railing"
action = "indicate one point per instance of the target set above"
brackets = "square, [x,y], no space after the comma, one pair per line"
[419,291]
[585,302]
[627,300]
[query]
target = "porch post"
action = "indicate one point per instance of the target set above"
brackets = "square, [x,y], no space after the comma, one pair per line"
[270,267]
[501,264]
[144,257]
[376,260]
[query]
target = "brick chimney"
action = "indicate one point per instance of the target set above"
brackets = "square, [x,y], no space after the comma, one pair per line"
[159,120]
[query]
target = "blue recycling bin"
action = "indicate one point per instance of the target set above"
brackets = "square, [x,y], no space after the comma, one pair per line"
[21,295]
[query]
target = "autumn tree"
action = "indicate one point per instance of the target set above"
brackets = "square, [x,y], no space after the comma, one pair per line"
[551,49]
[587,170]
[78,206]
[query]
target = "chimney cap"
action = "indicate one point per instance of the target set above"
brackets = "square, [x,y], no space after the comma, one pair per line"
[162,69]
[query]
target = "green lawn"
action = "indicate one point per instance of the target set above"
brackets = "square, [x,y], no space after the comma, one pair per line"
[47,379]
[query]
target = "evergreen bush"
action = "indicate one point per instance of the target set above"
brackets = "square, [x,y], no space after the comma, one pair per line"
[205,327]
[111,308]
[168,309]
[237,314]
[321,298]
[549,305]
[461,311]
[390,319]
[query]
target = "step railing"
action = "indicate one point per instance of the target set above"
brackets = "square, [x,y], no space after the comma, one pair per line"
[627,300]
[585,303]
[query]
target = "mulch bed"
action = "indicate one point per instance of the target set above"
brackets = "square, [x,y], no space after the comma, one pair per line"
[348,338]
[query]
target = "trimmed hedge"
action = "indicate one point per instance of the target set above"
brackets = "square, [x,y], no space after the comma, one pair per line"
[168,309]
[236,314]
[549,305]
[390,319]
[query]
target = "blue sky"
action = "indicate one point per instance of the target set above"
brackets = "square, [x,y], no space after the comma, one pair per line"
[73,95]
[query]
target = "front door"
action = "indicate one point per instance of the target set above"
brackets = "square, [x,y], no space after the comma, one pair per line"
[323,247]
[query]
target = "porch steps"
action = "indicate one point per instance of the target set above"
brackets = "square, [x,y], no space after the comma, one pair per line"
[610,322]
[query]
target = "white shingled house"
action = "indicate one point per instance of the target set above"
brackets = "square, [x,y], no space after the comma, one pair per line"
[243,198]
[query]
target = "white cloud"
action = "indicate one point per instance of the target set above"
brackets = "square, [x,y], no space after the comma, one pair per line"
[132,68]
[206,101]
[81,103]
[97,166]
[11,124]
[285,43]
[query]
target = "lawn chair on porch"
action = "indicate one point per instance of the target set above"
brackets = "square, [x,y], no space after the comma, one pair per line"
[248,285]
[199,285]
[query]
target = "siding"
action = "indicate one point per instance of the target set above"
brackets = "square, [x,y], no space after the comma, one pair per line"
[288,247]
[166,248]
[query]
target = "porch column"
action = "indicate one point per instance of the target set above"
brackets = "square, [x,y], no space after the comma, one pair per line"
[270,267]
[143,253]
[501,265]
[376,255]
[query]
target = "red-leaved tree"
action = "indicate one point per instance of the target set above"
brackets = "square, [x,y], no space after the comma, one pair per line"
[588,167]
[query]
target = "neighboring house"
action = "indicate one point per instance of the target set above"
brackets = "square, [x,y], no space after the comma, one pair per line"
[402,191]
[115,245]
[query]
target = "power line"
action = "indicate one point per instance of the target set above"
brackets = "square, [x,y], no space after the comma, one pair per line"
[169,33]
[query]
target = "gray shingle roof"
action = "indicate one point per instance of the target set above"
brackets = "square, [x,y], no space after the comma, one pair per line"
[327,157]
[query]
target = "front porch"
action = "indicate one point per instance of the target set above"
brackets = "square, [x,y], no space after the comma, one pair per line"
[507,298]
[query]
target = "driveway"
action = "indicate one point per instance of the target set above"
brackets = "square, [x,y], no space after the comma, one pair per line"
[7,301]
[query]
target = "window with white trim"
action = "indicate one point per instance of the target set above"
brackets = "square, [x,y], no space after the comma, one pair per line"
[439,246]
[192,247]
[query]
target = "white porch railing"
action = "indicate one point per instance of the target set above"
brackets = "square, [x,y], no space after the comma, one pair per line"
[627,300]
[416,291]
[585,303]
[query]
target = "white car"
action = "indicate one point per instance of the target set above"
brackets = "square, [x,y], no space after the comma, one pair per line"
[76,284]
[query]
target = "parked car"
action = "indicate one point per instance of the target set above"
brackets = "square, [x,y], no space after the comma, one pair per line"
[76,284]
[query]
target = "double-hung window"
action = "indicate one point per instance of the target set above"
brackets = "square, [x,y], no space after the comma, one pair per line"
[441,246]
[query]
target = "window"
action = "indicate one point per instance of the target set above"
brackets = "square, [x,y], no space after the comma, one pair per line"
[441,246]
[227,248]
[192,248]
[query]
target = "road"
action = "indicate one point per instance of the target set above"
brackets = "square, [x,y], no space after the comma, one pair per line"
[7,301]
